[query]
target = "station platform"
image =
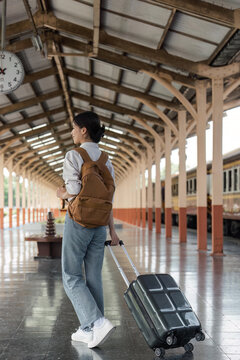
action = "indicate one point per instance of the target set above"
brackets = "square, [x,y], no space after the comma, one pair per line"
[37,319]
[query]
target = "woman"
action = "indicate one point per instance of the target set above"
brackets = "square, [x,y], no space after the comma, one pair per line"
[85,246]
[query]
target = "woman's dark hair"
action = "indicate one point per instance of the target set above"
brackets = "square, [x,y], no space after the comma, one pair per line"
[91,122]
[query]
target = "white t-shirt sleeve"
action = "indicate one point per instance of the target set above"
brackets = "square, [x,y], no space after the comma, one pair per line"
[111,169]
[71,172]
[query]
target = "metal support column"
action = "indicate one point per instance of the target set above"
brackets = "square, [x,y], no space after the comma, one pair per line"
[217,168]
[201,167]
[158,199]
[150,191]
[1,191]
[168,183]
[143,168]
[182,178]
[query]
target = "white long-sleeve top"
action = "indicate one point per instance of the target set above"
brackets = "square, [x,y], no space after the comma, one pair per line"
[73,163]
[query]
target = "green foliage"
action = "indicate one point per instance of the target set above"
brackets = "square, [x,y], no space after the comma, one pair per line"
[6,180]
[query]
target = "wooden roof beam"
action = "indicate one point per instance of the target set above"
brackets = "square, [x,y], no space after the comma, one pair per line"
[120,89]
[116,108]
[30,102]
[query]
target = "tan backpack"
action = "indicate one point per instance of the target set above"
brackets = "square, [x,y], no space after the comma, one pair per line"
[92,206]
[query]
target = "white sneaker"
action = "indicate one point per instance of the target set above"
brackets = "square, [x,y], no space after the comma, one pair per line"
[100,334]
[83,336]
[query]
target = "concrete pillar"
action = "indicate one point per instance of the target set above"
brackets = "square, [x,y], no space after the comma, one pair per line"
[182,215]
[150,191]
[29,198]
[18,199]
[1,191]
[168,182]
[10,193]
[138,194]
[201,168]
[23,198]
[158,198]
[217,168]
[143,168]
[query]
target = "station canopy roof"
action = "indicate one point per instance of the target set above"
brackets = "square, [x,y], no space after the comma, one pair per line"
[102,56]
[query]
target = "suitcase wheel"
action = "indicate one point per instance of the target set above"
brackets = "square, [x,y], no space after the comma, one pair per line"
[188,348]
[159,352]
[171,340]
[200,336]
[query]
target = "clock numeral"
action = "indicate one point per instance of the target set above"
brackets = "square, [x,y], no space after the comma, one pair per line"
[3,56]
[15,64]
[9,83]
[17,72]
[15,79]
[10,58]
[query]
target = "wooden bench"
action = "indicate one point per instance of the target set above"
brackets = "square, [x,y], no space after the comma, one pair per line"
[49,247]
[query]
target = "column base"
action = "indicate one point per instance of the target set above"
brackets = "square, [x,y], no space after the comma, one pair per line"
[158,220]
[150,219]
[143,217]
[10,218]
[1,218]
[202,227]
[182,224]
[168,222]
[18,217]
[23,216]
[217,229]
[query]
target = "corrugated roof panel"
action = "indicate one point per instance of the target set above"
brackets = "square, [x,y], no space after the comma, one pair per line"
[48,84]
[74,12]
[80,103]
[102,112]
[34,61]
[16,10]
[230,4]
[13,117]
[139,10]
[79,63]
[55,102]
[126,101]
[138,81]
[79,86]
[59,116]
[198,27]
[104,94]
[133,31]
[106,71]
[24,92]
[33,110]
[147,111]
[160,91]
[188,48]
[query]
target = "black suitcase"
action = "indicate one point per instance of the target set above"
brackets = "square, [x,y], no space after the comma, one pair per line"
[162,312]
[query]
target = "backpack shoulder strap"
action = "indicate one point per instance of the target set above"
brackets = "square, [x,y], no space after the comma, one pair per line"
[84,154]
[103,158]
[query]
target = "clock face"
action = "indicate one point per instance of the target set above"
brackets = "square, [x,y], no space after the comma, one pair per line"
[11,72]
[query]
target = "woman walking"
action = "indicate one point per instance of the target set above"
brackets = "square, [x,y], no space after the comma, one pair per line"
[84,246]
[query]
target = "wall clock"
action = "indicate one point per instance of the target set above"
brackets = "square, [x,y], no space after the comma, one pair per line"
[11,72]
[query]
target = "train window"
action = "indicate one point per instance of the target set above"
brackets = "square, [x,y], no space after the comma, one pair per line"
[224,181]
[176,189]
[235,179]
[195,185]
[238,178]
[229,180]
[191,186]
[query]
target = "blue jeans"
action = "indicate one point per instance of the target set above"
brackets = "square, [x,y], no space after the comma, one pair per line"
[83,247]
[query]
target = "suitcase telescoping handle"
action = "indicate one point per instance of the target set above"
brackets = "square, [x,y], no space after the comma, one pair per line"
[108,244]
